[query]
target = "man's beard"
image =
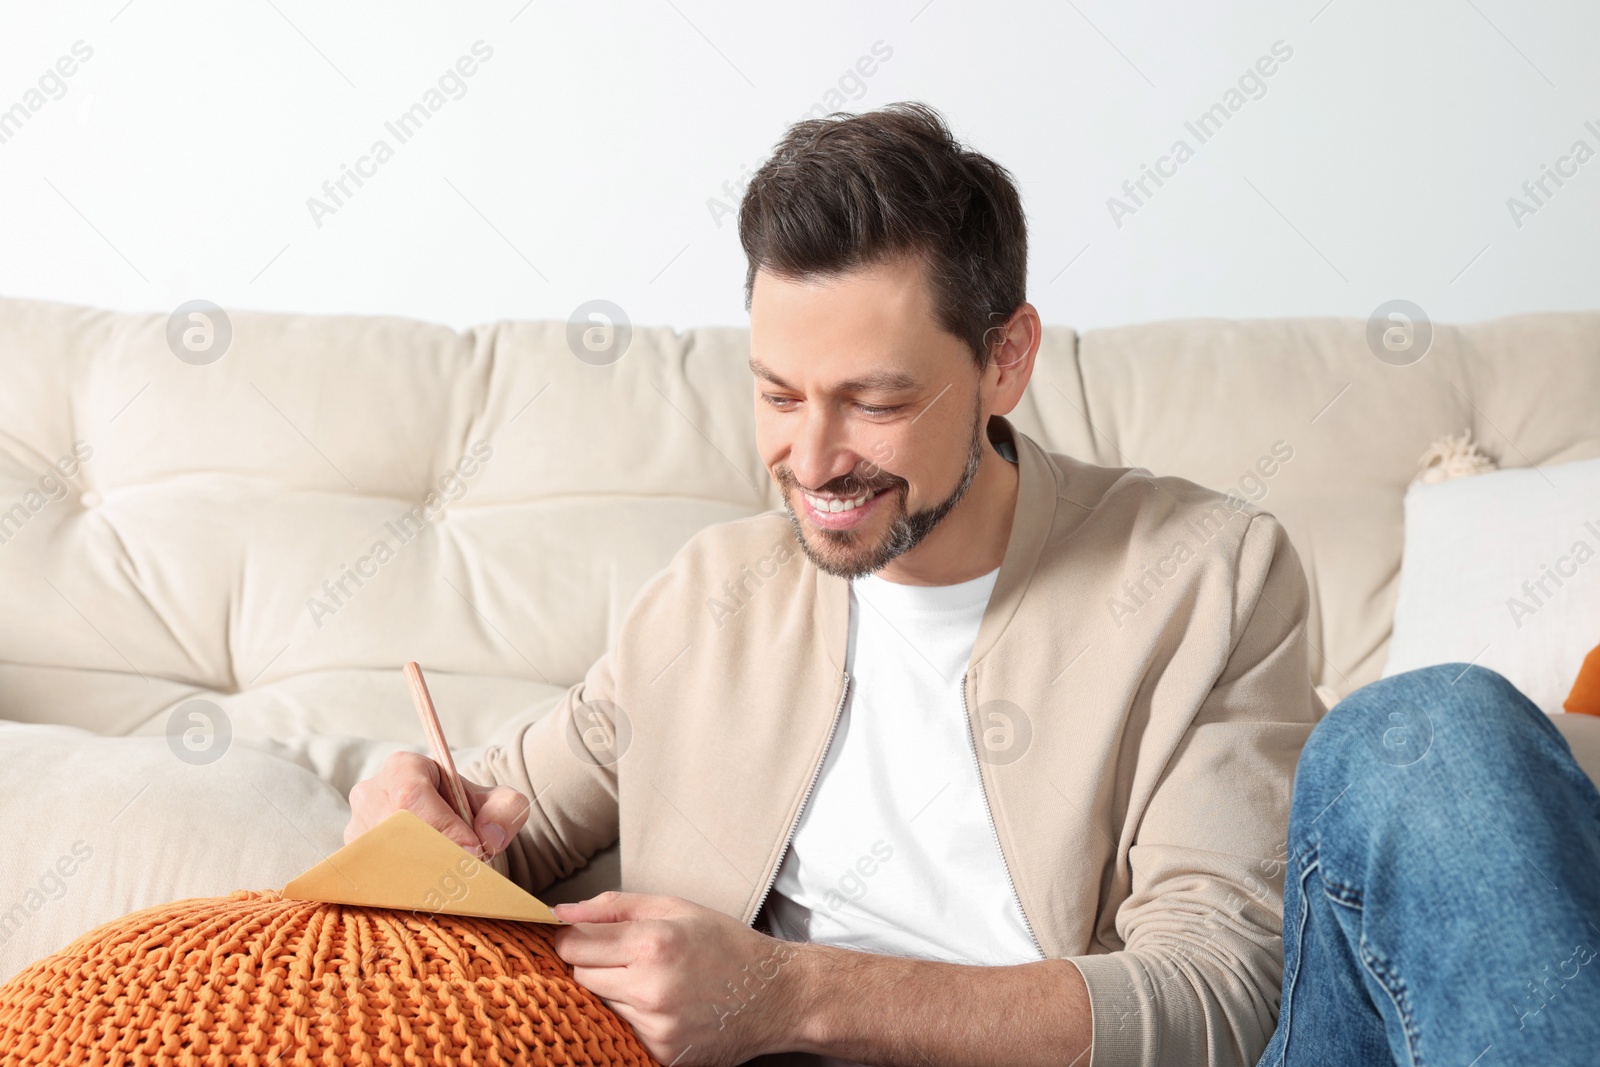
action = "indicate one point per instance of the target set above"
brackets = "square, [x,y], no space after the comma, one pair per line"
[905,531]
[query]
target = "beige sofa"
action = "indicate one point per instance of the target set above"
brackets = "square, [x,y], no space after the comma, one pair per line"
[218,540]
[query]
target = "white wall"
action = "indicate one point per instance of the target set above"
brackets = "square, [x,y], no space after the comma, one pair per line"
[580,162]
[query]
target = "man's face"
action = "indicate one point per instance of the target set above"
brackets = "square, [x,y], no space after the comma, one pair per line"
[869,416]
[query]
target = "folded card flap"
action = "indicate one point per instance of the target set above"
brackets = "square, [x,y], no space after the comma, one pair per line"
[406,864]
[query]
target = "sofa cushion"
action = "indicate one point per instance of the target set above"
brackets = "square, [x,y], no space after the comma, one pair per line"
[1209,398]
[104,826]
[1502,569]
[334,496]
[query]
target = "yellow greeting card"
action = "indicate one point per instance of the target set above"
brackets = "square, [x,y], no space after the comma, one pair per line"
[406,864]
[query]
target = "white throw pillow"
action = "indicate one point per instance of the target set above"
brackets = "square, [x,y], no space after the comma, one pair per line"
[97,827]
[1503,570]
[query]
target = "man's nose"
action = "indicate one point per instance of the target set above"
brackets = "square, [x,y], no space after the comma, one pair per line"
[821,452]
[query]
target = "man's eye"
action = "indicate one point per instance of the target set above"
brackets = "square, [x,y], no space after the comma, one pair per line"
[782,403]
[868,409]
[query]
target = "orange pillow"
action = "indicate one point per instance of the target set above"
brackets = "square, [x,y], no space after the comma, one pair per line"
[255,978]
[1585,696]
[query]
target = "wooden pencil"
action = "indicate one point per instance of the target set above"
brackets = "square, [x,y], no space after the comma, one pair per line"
[453,786]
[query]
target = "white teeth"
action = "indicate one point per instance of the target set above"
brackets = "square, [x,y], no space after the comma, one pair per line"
[835,504]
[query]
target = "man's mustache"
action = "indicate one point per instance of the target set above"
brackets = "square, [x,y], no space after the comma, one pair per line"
[846,485]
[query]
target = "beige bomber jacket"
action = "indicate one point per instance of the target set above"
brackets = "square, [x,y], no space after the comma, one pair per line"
[1137,697]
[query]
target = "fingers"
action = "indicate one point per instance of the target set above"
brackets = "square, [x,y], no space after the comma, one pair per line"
[408,781]
[615,906]
[499,813]
[603,945]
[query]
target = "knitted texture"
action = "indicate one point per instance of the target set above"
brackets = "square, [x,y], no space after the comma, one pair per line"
[254,979]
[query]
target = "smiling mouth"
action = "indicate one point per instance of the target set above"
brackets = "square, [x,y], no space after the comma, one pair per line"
[836,504]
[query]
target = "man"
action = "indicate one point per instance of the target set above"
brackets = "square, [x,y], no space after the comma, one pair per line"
[973,753]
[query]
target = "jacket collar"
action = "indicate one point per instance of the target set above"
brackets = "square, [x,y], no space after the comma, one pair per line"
[1030,526]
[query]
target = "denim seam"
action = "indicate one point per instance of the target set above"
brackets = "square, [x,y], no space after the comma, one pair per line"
[1349,896]
[1395,986]
[1309,861]
[1345,895]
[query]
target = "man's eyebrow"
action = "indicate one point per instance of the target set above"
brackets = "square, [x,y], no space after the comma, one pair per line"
[883,379]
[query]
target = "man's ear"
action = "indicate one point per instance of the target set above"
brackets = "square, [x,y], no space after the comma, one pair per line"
[1014,346]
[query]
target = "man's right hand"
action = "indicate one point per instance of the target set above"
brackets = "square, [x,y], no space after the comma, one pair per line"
[412,782]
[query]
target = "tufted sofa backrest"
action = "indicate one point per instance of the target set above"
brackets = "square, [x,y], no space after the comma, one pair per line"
[280,529]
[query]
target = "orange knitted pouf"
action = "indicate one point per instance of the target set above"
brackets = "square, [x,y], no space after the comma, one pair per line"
[252,978]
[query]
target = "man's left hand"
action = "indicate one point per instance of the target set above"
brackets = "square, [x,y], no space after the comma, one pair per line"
[699,987]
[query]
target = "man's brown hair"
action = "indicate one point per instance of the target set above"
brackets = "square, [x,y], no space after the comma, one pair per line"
[851,191]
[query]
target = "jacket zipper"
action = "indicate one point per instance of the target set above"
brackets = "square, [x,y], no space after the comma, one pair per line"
[990,813]
[794,823]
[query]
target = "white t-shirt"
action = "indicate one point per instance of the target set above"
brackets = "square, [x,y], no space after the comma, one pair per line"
[894,852]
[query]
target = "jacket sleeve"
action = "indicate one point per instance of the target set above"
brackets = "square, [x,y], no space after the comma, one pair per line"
[1198,979]
[565,763]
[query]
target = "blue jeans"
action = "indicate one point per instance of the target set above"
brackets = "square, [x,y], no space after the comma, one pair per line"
[1442,884]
